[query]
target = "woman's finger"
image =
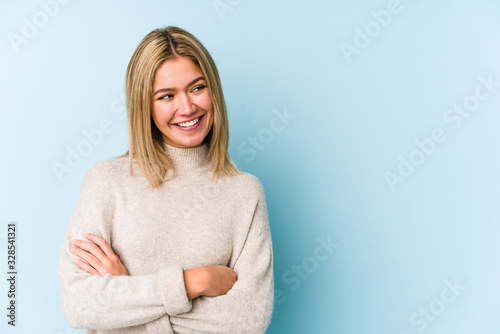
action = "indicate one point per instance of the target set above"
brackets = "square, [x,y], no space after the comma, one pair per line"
[99,255]
[91,248]
[104,246]
[86,267]
[88,257]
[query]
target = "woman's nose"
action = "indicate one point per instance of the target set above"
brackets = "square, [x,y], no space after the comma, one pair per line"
[186,105]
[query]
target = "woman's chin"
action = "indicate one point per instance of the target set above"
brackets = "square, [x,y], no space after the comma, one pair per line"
[185,142]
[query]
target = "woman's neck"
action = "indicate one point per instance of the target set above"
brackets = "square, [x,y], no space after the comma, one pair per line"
[189,160]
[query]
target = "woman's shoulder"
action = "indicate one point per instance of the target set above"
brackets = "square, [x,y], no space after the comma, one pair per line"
[247,183]
[109,169]
[250,179]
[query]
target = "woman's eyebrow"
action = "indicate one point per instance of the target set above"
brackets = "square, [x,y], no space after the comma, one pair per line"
[163,90]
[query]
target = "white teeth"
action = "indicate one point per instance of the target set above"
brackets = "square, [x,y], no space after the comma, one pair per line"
[186,124]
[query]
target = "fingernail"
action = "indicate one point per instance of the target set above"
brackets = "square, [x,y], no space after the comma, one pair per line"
[73,248]
[73,241]
[86,235]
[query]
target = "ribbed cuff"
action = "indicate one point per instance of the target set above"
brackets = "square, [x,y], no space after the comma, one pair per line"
[161,325]
[173,290]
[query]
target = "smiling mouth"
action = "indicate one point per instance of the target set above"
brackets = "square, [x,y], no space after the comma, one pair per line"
[190,123]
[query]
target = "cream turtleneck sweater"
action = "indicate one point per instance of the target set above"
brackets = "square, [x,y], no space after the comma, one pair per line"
[190,221]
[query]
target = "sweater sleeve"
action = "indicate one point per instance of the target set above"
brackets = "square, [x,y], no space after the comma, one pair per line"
[248,306]
[106,302]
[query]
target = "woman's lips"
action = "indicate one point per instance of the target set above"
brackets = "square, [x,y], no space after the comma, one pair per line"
[189,128]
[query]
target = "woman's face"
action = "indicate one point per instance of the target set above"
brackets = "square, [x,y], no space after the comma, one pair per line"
[182,108]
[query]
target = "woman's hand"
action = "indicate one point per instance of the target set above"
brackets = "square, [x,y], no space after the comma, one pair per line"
[220,280]
[100,258]
[211,281]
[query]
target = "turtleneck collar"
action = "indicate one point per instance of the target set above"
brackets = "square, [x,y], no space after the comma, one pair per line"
[190,160]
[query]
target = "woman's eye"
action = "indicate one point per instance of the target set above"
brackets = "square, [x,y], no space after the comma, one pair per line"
[166,97]
[199,87]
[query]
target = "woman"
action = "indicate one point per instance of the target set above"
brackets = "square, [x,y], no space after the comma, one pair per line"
[178,239]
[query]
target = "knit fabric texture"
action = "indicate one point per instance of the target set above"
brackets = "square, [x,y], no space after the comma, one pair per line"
[193,220]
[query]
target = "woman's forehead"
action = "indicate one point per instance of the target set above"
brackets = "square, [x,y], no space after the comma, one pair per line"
[177,72]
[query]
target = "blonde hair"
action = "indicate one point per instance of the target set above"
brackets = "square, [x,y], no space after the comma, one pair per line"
[145,139]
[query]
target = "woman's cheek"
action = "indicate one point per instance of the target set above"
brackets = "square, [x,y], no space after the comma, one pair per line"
[205,102]
[163,113]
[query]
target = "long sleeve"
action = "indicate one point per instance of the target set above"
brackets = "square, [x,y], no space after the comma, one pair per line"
[95,302]
[248,306]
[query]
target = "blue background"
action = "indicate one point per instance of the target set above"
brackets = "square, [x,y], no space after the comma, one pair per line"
[353,118]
